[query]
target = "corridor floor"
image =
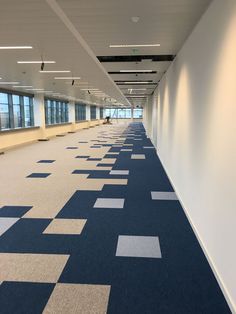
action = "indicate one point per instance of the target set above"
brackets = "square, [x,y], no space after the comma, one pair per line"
[89,223]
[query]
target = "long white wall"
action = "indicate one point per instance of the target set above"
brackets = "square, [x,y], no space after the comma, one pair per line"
[193,125]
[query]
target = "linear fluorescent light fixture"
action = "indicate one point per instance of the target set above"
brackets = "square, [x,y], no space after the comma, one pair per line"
[44,91]
[136,82]
[9,83]
[136,71]
[136,97]
[66,77]
[35,89]
[15,47]
[35,62]
[91,89]
[57,71]
[137,89]
[28,86]
[135,45]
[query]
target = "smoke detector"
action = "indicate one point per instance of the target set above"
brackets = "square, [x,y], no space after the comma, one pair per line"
[135,19]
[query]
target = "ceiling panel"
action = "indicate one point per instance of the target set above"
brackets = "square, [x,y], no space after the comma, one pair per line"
[100,23]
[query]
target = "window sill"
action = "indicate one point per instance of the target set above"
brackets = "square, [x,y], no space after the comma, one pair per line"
[81,121]
[30,128]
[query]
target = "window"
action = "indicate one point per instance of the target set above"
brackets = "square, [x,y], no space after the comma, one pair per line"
[28,111]
[56,112]
[93,113]
[16,111]
[101,113]
[138,113]
[80,112]
[118,113]
[4,112]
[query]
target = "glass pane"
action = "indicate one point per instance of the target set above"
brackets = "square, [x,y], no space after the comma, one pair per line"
[4,116]
[3,98]
[67,113]
[138,113]
[128,113]
[53,112]
[17,116]
[27,111]
[27,116]
[16,99]
[26,101]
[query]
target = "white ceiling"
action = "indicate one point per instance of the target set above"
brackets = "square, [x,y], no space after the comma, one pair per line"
[73,32]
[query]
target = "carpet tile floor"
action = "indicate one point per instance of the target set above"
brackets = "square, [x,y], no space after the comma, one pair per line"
[103,232]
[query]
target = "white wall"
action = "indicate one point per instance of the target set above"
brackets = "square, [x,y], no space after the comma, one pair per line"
[195,135]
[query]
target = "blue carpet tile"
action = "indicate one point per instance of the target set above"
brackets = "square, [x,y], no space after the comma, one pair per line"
[24,297]
[94,159]
[83,157]
[38,175]
[46,161]
[180,281]
[14,211]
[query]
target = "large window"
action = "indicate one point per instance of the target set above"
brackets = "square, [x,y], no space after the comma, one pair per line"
[124,113]
[4,112]
[56,112]
[93,112]
[138,113]
[16,111]
[118,113]
[80,112]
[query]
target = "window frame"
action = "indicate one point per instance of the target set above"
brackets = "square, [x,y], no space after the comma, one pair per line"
[56,111]
[10,105]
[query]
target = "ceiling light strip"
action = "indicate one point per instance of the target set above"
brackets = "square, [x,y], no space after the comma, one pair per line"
[134,45]
[56,71]
[15,47]
[35,62]
[67,78]
[9,83]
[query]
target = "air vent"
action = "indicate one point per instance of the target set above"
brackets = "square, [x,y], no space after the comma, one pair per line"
[136,58]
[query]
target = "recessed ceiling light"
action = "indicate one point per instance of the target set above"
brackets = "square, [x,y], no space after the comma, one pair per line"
[148,71]
[135,45]
[35,62]
[66,78]
[28,86]
[15,47]
[52,71]
[9,83]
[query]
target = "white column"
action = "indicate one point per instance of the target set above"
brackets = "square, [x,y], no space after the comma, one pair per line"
[98,113]
[72,111]
[88,112]
[39,113]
